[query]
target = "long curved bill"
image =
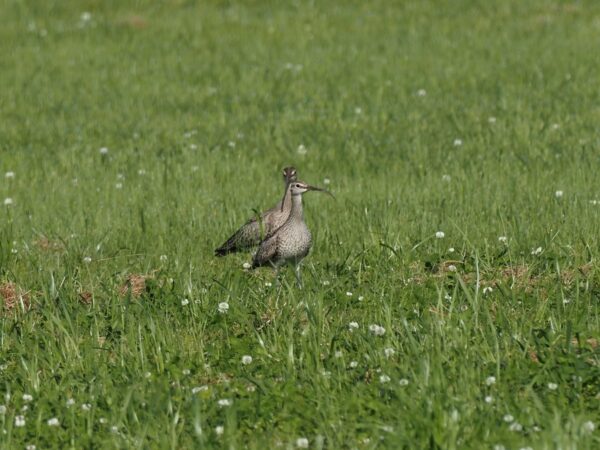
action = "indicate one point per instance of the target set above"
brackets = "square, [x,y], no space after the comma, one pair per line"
[315,188]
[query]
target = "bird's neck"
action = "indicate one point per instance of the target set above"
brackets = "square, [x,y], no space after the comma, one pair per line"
[296,212]
[287,201]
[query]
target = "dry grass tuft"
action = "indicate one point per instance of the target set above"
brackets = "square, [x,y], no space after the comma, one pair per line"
[13,296]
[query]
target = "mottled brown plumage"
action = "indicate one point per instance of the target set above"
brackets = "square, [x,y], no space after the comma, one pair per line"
[291,242]
[253,231]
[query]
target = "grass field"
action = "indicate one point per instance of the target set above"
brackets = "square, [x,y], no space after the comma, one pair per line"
[476,119]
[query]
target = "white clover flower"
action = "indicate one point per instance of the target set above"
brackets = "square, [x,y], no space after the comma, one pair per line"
[508,418]
[326,181]
[302,150]
[186,371]
[326,283]
[377,330]
[489,399]
[8,201]
[2,410]
[197,389]
[25,408]
[555,126]
[338,354]
[102,420]
[246,359]
[53,422]
[86,16]
[348,294]
[499,447]
[119,185]
[104,151]
[86,406]
[27,397]
[503,239]
[451,250]
[537,251]
[147,374]
[247,265]
[452,268]
[302,442]
[30,447]
[223,307]
[225,402]
[9,175]
[384,379]
[219,430]
[515,426]
[447,178]
[558,194]
[589,426]
[526,448]
[552,386]
[457,142]
[87,260]
[490,380]
[353,364]
[163,258]
[326,374]
[141,172]
[361,298]
[185,302]
[193,147]
[491,119]
[403,382]
[353,326]
[421,92]
[231,144]
[114,429]
[440,234]
[389,352]
[19,421]
[447,297]
[487,290]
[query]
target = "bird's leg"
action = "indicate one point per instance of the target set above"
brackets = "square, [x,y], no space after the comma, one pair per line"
[277,283]
[298,276]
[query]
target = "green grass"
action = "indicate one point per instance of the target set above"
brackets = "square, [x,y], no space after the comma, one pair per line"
[210,100]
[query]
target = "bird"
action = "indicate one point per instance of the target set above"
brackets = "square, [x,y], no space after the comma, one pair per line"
[291,242]
[254,230]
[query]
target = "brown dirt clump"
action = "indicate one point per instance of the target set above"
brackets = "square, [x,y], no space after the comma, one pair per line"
[134,283]
[86,297]
[12,296]
[134,21]
[534,357]
[46,245]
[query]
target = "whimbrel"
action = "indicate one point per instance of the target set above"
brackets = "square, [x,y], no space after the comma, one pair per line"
[292,241]
[255,229]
